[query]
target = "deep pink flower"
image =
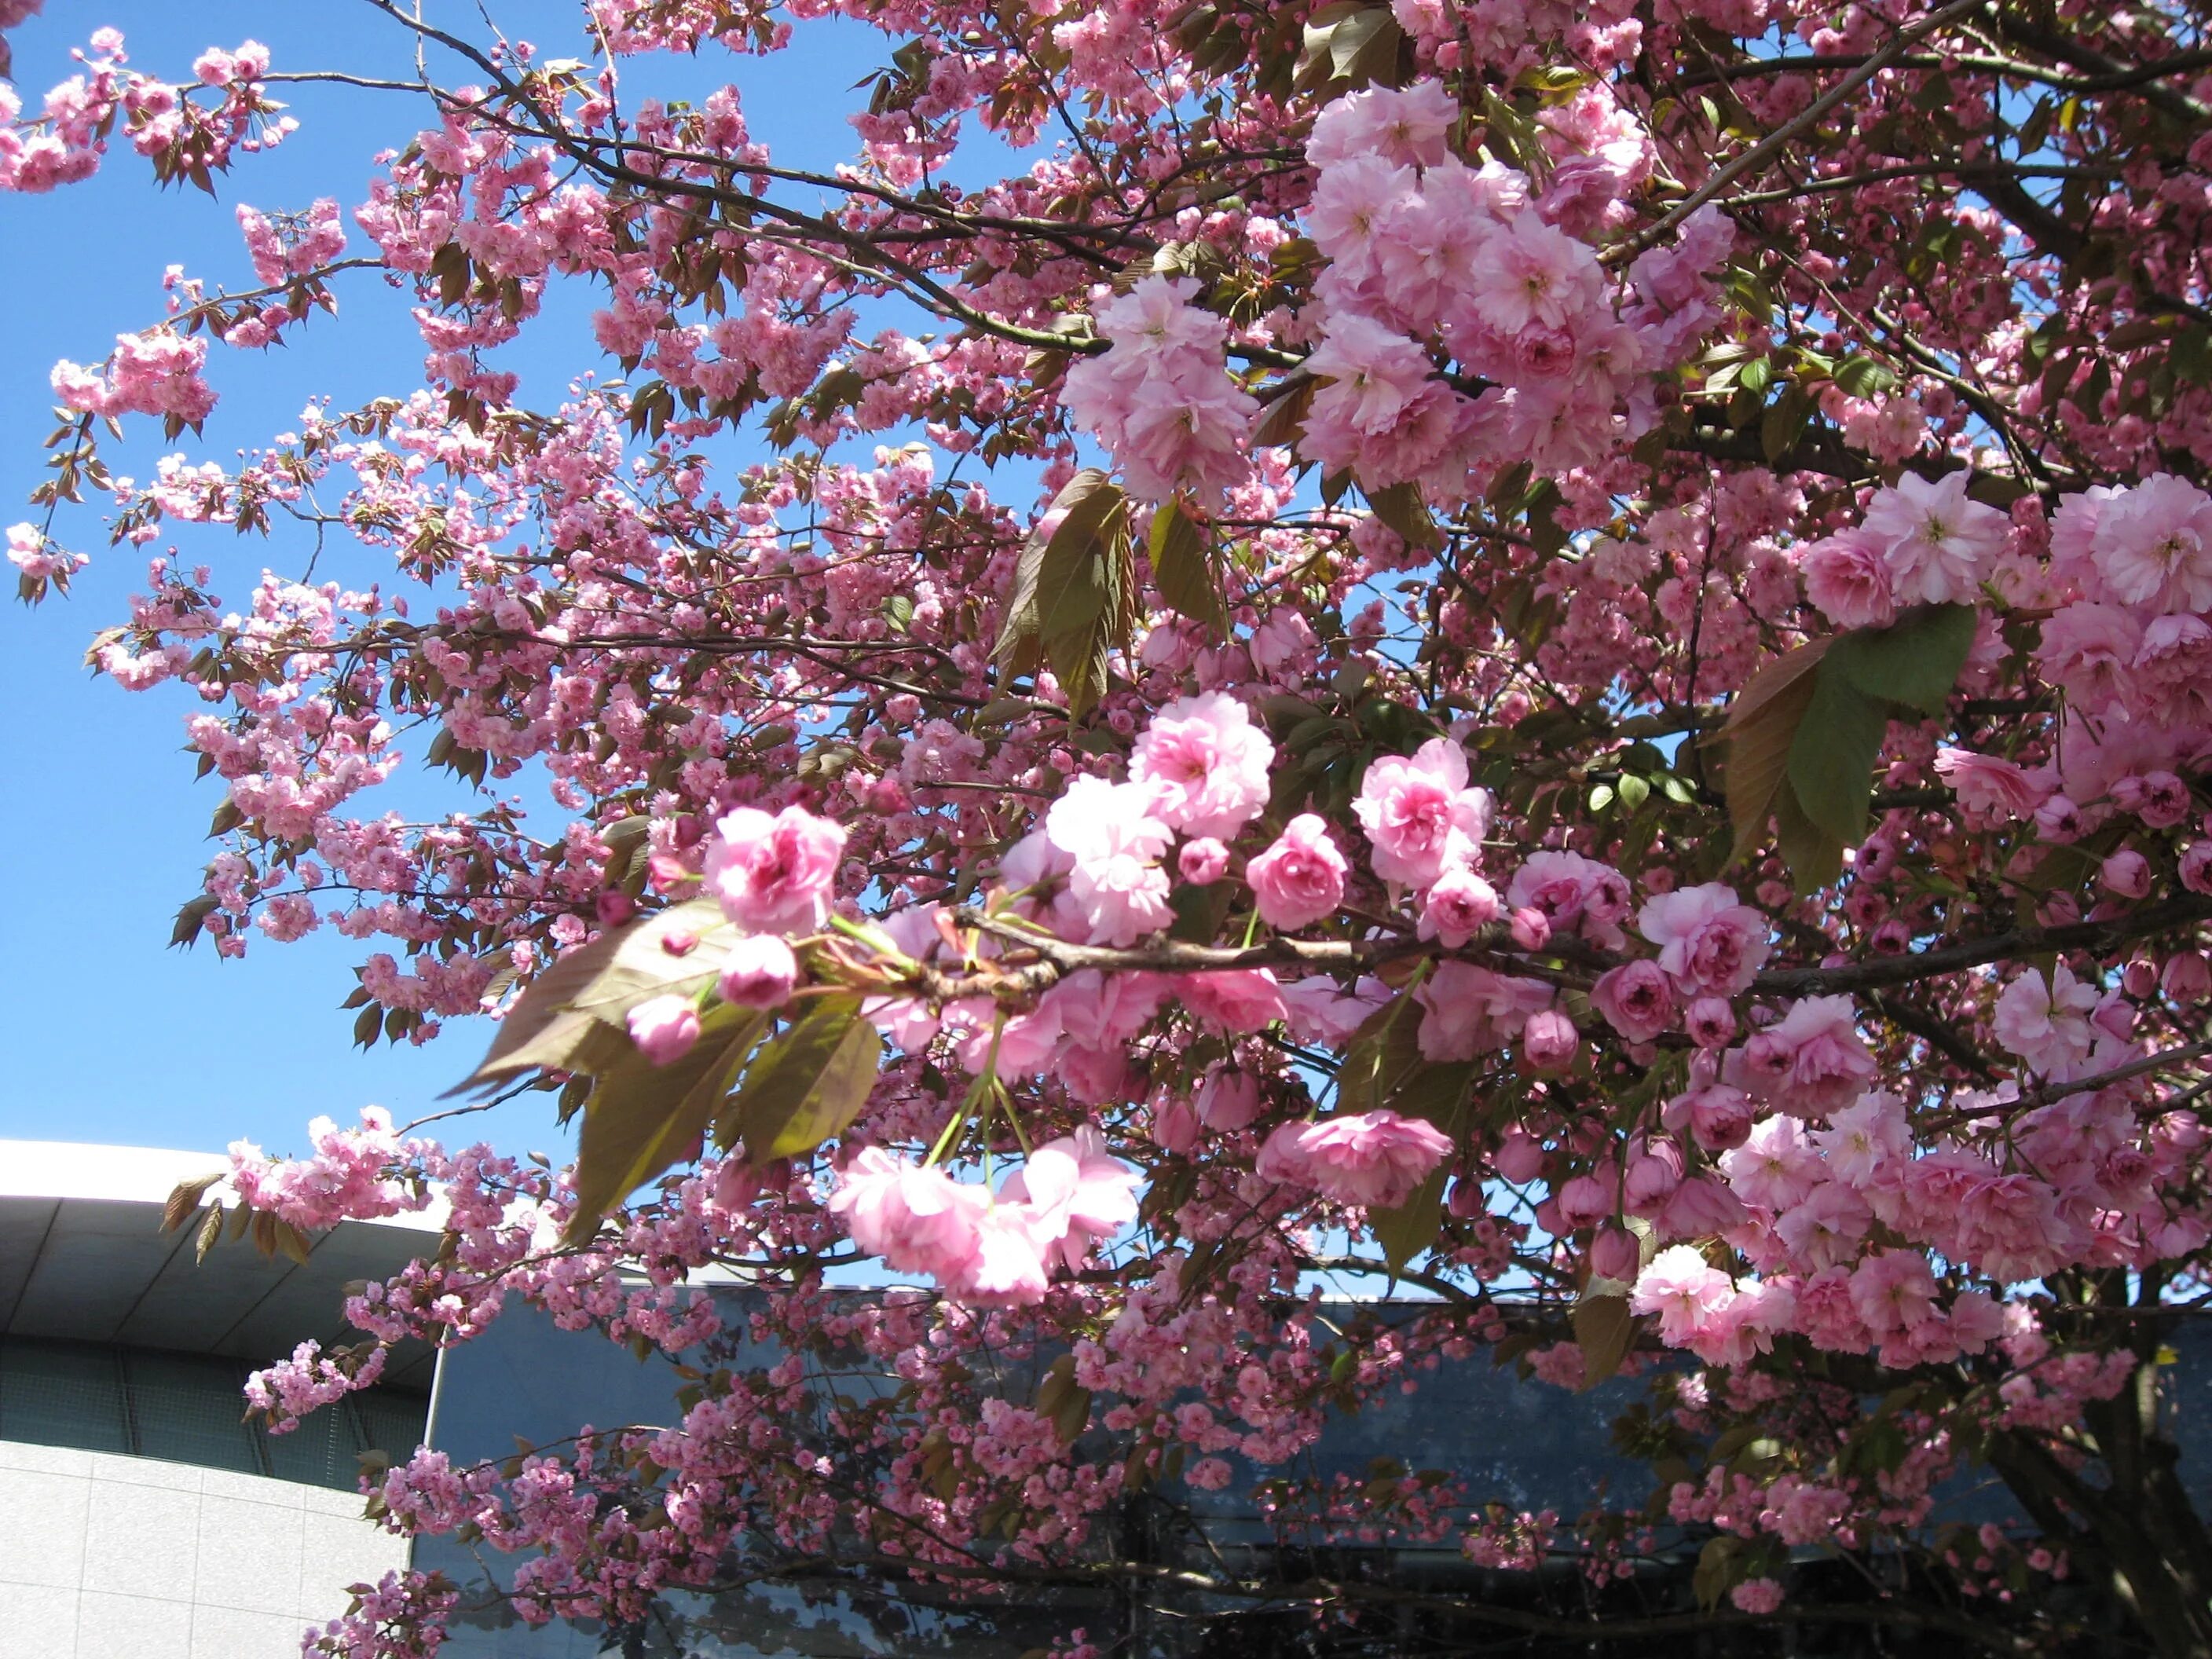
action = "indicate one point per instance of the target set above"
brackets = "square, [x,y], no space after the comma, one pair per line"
[1460,905]
[1635,1000]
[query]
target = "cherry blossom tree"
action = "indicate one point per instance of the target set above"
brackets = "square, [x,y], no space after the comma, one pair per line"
[1556,655]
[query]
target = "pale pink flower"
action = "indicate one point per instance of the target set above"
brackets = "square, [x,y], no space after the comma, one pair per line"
[1202,862]
[1866,1138]
[2046,1024]
[1374,1158]
[1300,879]
[1077,1195]
[1937,542]
[1420,815]
[1756,1596]
[1232,999]
[1683,1289]
[1775,1168]
[1893,1290]
[917,1220]
[1116,883]
[1990,790]
[1530,273]
[774,875]
[1405,124]
[2152,545]
[1826,1066]
[759,972]
[665,1029]
[1708,939]
[1204,765]
[2090,649]
[1009,1266]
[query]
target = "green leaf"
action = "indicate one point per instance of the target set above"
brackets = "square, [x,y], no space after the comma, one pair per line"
[1400,507]
[1385,1047]
[641,1118]
[1180,570]
[1863,377]
[1914,661]
[1814,857]
[807,1084]
[1084,503]
[1604,1328]
[1720,1569]
[1831,757]
[1412,1227]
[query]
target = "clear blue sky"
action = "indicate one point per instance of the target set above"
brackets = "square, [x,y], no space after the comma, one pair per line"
[108,1035]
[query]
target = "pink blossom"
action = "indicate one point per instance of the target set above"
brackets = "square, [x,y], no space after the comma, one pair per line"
[1202,862]
[774,875]
[1420,815]
[1684,1289]
[1708,940]
[1408,125]
[1825,1065]
[1937,542]
[1893,1290]
[1848,580]
[1300,878]
[1376,1158]
[1993,790]
[1865,1138]
[1635,1000]
[1775,1168]
[918,1220]
[758,972]
[1116,883]
[1077,1194]
[665,1029]
[1758,1595]
[2152,545]
[1530,273]
[1458,907]
[2045,1022]
[1549,1041]
[1204,765]
[1573,893]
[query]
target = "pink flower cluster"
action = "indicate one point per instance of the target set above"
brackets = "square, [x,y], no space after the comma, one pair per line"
[1374,1158]
[1068,1198]
[1161,399]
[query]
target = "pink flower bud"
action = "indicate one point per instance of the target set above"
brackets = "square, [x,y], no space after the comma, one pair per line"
[1614,1253]
[760,972]
[1531,928]
[679,942]
[2188,977]
[1549,1042]
[1175,1126]
[1710,1022]
[1202,862]
[2140,977]
[1519,1158]
[2197,868]
[615,907]
[1720,1119]
[1466,1200]
[2127,873]
[664,1029]
[736,1183]
[1585,1200]
[1228,1100]
[1653,1175]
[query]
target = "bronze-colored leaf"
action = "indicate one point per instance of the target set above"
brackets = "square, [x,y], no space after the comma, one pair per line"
[807,1084]
[1181,569]
[641,1118]
[1604,1330]
[1762,724]
[186,1198]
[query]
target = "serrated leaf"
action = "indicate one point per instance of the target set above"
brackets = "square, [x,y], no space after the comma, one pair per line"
[545,1030]
[1762,725]
[641,1118]
[807,1084]
[1863,377]
[1401,508]
[186,1198]
[1083,504]
[1814,857]
[1604,1328]
[1181,570]
[1914,661]
[1831,757]
[1720,1567]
